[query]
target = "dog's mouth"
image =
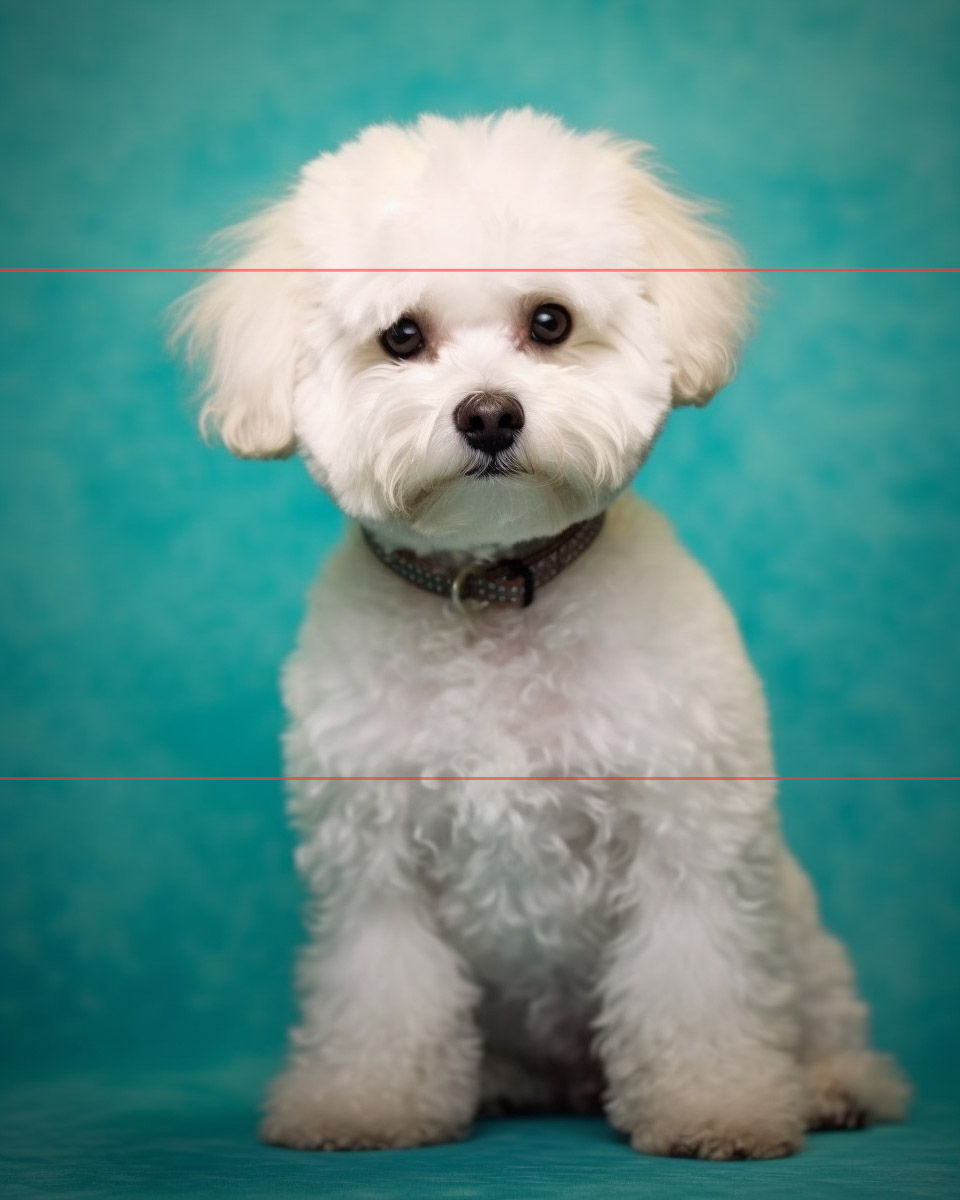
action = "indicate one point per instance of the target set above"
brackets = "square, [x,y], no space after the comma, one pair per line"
[489,470]
[498,465]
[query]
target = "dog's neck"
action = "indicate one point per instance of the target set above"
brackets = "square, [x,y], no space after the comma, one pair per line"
[404,542]
[455,550]
[500,575]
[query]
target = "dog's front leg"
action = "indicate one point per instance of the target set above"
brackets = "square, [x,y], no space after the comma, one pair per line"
[387,1053]
[698,1030]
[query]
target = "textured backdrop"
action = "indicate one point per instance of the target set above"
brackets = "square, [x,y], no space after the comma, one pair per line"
[149,587]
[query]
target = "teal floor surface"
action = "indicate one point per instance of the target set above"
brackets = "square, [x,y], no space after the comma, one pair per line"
[193,1135]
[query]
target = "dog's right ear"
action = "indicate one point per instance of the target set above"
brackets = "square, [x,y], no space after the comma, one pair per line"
[242,324]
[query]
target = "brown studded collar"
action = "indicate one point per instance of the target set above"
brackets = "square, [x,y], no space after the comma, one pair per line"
[509,581]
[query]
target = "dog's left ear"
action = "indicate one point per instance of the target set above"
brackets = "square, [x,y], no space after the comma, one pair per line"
[705,305]
[243,325]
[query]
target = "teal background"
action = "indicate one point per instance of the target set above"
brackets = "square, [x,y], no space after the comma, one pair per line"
[149,587]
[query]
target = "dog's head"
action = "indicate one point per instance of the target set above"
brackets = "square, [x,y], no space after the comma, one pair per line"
[439,399]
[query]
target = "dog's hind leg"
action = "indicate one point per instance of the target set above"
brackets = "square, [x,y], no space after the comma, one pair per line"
[849,1084]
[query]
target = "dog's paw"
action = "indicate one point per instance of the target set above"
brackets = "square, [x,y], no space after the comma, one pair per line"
[322,1126]
[721,1110]
[854,1089]
[305,1111]
[720,1138]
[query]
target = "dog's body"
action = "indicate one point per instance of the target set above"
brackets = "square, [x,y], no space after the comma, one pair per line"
[512,944]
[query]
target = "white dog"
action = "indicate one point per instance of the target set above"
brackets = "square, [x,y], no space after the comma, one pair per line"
[504,607]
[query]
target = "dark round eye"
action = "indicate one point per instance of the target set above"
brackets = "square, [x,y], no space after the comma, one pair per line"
[403,339]
[550,324]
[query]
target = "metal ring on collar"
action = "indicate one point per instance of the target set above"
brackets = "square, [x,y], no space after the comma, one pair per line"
[462,603]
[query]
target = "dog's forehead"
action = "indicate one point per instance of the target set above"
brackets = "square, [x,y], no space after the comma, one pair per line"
[454,300]
[519,193]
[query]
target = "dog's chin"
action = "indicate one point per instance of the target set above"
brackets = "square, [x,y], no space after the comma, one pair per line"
[484,509]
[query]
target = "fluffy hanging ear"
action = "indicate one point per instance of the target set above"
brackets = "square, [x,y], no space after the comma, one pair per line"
[704,314]
[243,325]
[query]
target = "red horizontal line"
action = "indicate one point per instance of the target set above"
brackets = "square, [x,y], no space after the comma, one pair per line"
[479,778]
[475,270]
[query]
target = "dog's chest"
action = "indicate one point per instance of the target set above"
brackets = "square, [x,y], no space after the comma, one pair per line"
[521,876]
[519,868]
[502,696]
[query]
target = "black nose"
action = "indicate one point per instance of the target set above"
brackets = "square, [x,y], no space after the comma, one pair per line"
[489,421]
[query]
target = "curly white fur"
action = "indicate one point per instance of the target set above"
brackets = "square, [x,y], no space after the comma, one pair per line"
[650,946]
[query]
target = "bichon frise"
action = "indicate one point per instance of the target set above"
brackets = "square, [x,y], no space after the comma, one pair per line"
[477,393]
